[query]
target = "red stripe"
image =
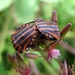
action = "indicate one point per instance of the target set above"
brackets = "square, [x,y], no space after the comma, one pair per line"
[48,29]
[22,30]
[19,48]
[27,37]
[22,35]
[26,45]
[39,25]
[54,35]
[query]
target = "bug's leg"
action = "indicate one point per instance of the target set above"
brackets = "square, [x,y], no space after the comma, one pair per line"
[52,43]
[32,22]
[54,17]
[39,35]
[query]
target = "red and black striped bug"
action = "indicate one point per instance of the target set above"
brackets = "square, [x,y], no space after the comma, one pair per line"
[24,37]
[49,29]
[29,35]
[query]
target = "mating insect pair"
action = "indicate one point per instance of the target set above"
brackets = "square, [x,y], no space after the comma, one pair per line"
[30,34]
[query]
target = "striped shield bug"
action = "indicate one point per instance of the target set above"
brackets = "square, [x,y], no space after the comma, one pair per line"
[24,37]
[29,35]
[49,29]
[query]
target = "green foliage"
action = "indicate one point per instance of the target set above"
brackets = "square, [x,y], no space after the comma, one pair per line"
[5,4]
[13,13]
[25,10]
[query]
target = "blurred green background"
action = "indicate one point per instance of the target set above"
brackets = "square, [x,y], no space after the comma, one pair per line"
[14,13]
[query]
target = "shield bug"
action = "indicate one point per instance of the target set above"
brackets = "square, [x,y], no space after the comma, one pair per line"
[29,35]
[24,37]
[49,29]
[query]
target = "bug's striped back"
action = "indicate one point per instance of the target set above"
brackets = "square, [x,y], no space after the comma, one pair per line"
[24,37]
[48,28]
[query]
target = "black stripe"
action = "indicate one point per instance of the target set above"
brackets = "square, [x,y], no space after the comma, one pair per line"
[45,22]
[28,37]
[24,30]
[22,47]
[56,33]
[50,31]
[22,33]
[46,26]
[22,27]
[23,37]
[23,44]
[56,30]
[17,31]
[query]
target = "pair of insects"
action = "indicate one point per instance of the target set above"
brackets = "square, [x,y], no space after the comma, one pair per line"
[29,34]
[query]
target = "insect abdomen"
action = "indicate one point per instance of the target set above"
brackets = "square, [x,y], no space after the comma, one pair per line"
[23,38]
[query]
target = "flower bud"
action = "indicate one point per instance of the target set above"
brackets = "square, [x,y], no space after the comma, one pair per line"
[65,29]
[32,56]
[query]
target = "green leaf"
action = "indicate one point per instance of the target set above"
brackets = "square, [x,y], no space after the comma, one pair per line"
[5,4]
